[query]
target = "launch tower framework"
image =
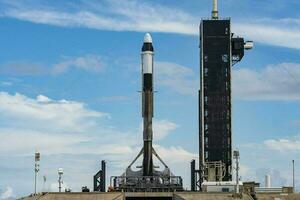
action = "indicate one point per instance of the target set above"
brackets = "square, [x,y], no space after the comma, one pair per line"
[219,51]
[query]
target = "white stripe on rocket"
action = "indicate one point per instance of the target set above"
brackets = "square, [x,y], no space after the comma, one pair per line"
[147,62]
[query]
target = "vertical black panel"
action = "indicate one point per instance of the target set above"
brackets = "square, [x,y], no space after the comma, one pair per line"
[103,176]
[193,173]
[215,93]
[99,178]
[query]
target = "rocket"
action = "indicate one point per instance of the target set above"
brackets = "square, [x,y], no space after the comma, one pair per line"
[147,103]
[149,177]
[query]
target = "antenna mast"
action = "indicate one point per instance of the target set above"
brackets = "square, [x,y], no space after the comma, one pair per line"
[214,13]
[36,169]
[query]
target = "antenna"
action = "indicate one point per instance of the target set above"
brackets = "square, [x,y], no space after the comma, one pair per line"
[60,181]
[214,13]
[294,190]
[44,183]
[236,156]
[37,157]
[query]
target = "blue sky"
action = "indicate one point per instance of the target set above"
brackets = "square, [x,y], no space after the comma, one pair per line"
[70,76]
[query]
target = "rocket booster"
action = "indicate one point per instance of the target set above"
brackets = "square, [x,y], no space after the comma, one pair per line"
[147,103]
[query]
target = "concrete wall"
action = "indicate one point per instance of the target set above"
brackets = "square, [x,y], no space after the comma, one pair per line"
[78,196]
[206,196]
[278,196]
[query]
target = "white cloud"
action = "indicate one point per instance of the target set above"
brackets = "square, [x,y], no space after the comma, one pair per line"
[245,172]
[162,128]
[178,78]
[118,16]
[62,129]
[130,16]
[7,194]
[284,144]
[50,126]
[281,32]
[24,142]
[175,155]
[55,126]
[93,63]
[178,160]
[44,111]
[275,82]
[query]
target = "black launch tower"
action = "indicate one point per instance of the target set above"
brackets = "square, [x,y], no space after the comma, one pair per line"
[219,51]
[215,94]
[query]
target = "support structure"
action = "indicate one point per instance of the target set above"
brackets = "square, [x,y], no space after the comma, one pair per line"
[215,94]
[236,156]
[195,177]
[99,178]
[219,51]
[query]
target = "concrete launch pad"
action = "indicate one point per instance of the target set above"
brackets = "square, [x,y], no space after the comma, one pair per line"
[144,196]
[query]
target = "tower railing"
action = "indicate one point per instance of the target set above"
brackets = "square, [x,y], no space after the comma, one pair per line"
[146,183]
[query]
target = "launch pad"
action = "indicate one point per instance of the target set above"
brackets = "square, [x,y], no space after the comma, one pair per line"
[135,181]
[139,196]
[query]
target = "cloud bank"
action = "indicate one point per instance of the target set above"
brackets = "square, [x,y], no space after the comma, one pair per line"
[118,16]
[58,125]
[7,194]
[63,114]
[63,129]
[91,63]
[284,144]
[282,32]
[178,78]
[129,15]
[274,82]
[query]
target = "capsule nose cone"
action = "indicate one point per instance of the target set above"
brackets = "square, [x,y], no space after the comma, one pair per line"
[147,38]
